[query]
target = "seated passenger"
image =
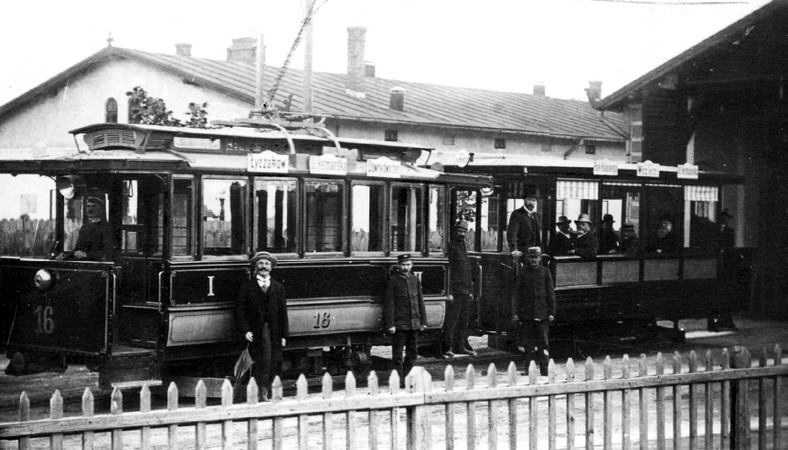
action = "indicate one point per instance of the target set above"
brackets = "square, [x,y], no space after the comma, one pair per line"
[666,240]
[564,239]
[586,244]
[629,239]
[95,237]
[608,239]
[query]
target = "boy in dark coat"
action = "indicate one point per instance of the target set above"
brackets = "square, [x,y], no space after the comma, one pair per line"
[404,314]
[261,314]
[533,308]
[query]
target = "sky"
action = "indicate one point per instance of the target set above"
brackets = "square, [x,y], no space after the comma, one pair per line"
[505,45]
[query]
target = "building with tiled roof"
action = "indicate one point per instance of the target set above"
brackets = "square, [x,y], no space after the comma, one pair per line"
[356,104]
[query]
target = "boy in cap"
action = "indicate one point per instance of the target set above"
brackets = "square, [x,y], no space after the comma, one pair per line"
[460,298]
[564,239]
[404,314]
[261,314]
[533,308]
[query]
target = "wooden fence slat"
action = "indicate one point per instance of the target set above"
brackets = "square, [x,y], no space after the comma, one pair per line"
[512,406]
[252,398]
[551,407]
[762,413]
[372,384]
[492,430]
[276,396]
[607,422]
[200,402]
[350,425]
[419,417]
[777,417]
[725,397]
[145,439]
[448,383]
[589,405]
[227,425]
[87,411]
[394,387]
[708,438]
[660,401]
[24,416]
[676,403]
[116,408]
[533,422]
[302,393]
[570,406]
[328,418]
[470,409]
[626,411]
[693,402]
[740,400]
[56,412]
[643,404]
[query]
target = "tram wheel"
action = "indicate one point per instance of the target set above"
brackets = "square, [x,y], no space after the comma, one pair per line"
[16,365]
[360,363]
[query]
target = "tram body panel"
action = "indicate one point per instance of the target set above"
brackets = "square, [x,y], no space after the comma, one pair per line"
[71,313]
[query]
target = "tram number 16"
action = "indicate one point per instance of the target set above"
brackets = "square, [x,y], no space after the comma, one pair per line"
[44,322]
[322,320]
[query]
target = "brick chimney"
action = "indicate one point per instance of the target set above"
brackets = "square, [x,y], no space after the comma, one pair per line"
[539,89]
[355,59]
[594,91]
[397,101]
[369,69]
[243,50]
[183,49]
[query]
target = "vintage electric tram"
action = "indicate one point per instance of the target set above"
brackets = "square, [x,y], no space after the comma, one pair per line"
[635,286]
[186,208]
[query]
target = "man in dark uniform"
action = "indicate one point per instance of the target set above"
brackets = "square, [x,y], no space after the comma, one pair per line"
[460,299]
[533,309]
[524,228]
[721,317]
[405,315]
[261,314]
[564,239]
[95,237]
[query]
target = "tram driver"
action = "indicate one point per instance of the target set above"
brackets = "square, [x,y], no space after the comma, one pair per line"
[95,237]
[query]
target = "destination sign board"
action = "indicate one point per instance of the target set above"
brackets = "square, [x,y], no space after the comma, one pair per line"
[192,143]
[687,171]
[384,167]
[267,162]
[648,169]
[605,167]
[327,165]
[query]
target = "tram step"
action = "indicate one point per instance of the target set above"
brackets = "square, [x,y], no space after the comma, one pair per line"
[135,383]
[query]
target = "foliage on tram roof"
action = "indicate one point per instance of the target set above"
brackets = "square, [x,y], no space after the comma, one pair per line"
[426,104]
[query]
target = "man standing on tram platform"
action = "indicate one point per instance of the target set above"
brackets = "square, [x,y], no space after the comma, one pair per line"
[460,299]
[261,314]
[524,228]
[405,315]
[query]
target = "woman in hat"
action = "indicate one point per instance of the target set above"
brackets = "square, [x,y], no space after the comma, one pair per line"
[586,244]
[261,314]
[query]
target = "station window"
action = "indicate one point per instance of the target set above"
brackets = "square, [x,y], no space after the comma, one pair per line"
[590,149]
[500,143]
[324,212]
[275,215]
[448,139]
[368,213]
[391,135]
[406,218]
[182,195]
[223,216]
[111,110]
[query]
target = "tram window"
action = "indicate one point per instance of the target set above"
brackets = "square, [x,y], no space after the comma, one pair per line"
[368,218]
[575,197]
[406,218]
[621,202]
[142,216]
[27,214]
[662,218]
[701,224]
[465,209]
[489,224]
[182,217]
[324,213]
[275,215]
[437,214]
[131,233]
[223,215]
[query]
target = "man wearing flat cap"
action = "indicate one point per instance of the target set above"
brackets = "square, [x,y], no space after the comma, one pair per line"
[563,240]
[261,314]
[404,314]
[460,298]
[95,236]
[524,228]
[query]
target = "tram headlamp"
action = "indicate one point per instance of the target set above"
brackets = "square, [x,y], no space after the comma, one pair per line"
[69,185]
[43,280]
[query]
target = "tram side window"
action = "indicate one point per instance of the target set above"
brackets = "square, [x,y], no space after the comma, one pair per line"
[576,198]
[182,217]
[275,215]
[437,214]
[27,222]
[368,203]
[662,219]
[223,215]
[324,213]
[142,221]
[406,218]
[703,228]
[465,209]
[619,220]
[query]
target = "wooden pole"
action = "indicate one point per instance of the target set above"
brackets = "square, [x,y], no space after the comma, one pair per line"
[260,95]
[310,10]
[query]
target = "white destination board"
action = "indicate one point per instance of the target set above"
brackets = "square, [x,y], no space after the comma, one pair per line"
[267,162]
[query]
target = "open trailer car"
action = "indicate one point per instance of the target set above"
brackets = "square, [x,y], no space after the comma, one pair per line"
[706,276]
[187,207]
